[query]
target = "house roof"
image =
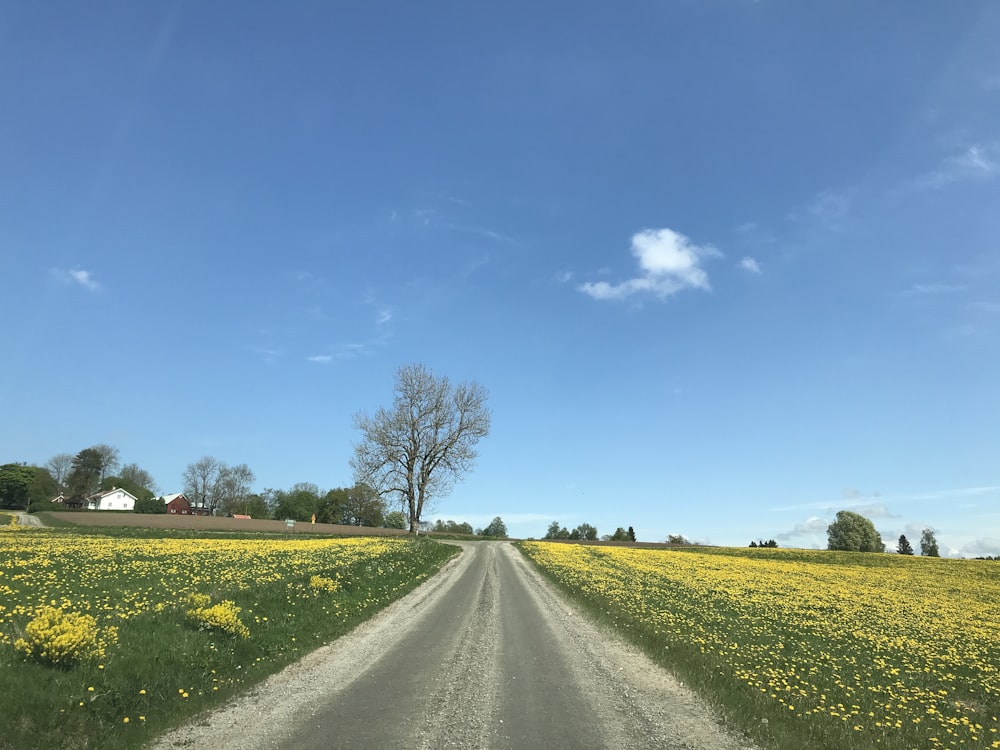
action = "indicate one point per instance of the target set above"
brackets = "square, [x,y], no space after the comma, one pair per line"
[167,499]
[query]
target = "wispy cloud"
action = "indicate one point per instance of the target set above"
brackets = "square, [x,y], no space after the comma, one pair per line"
[752,233]
[668,262]
[810,527]
[320,358]
[830,208]
[918,290]
[269,355]
[384,316]
[976,162]
[77,276]
[750,264]
[859,501]
[563,277]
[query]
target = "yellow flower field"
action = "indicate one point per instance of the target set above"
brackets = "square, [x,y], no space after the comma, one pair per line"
[119,578]
[836,649]
[108,639]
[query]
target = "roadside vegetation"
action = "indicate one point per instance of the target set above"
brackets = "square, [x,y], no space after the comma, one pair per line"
[108,639]
[813,649]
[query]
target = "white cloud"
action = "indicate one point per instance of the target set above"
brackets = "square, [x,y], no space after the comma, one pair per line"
[383,317]
[320,358]
[976,162]
[749,264]
[981,548]
[669,262]
[77,276]
[811,526]
[564,277]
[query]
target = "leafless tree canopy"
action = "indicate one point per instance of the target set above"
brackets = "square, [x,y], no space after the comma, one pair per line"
[59,466]
[417,450]
[138,476]
[233,487]
[200,482]
[110,459]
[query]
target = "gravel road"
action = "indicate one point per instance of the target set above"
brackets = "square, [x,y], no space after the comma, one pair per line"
[484,655]
[26,519]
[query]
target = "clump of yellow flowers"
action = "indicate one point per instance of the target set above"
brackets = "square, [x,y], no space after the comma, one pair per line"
[63,638]
[320,583]
[224,616]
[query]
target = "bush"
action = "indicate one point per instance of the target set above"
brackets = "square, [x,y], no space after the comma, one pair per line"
[64,638]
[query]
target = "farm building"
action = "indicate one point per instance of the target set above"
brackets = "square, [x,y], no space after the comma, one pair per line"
[176,503]
[116,499]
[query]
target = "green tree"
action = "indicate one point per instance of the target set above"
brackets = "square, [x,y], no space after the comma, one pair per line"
[496,528]
[43,487]
[903,545]
[255,506]
[631,534]
[928,544]
[620,535]
[451,527]
[677,539]
[556,531]
[364,507]
[852,532]
[85,473]
[149,504]
[394,520]
[15,485]
[584,531]
[298,504]
[419,448]
[332,506]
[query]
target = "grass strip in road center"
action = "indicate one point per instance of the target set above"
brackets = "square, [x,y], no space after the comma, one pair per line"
[107,640]
[803,648]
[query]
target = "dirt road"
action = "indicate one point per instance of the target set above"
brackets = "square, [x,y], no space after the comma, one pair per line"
[26,519]
[485,655]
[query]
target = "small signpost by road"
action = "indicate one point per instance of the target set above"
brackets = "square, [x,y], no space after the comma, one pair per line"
[290,525]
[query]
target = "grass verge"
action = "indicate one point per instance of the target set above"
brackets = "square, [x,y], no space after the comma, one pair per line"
[167,664]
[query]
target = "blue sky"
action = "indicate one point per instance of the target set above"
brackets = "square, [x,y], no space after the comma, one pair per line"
[725,267]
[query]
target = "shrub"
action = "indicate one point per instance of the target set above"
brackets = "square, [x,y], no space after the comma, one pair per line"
[63,638]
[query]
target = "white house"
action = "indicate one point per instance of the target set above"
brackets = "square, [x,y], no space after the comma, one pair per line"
[116,499]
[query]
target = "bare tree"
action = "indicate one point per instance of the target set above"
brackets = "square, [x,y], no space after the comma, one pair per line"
[59,466]
[201,483]
[110,459]
[233,487]
[417,450]
[136,475]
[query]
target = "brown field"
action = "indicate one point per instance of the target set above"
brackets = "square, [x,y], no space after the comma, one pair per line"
[213,523]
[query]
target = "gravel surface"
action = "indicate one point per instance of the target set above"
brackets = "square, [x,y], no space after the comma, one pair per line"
[486,654]
[26,519]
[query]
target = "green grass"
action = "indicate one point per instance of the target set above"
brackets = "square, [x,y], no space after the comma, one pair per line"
[182,670]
